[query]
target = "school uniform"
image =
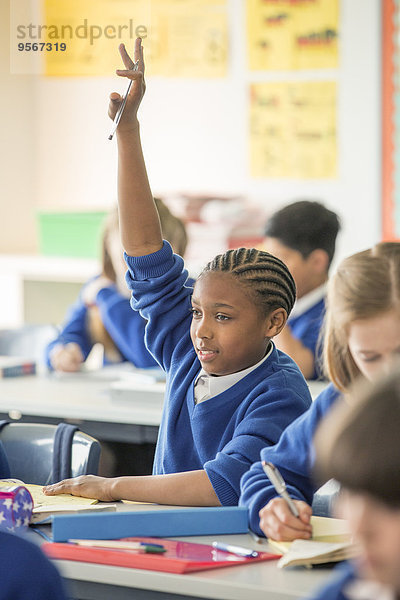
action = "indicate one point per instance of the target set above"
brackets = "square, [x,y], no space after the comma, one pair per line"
[25,573]
[125,326]
[225,433]
[305,322]
[348,586]
[293,456]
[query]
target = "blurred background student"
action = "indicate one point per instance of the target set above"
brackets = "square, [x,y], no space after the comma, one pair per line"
[102,314]
[366,428]
[303,235]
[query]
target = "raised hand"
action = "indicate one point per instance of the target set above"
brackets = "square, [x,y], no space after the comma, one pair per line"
[129,116]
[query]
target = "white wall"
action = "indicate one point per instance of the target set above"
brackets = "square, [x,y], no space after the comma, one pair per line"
[195,134]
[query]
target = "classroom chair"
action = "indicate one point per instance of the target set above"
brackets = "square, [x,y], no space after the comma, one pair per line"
[43,454]
[324,499]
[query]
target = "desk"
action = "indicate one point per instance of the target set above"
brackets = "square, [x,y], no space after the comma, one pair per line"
[261,581]
[85,399]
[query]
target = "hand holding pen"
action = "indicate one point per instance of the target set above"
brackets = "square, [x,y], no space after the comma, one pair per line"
[283,518]
[123,111]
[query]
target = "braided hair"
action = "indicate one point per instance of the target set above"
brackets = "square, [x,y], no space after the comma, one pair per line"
[267,277]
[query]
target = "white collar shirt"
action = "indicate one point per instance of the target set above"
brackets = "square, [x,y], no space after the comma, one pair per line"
[207,386]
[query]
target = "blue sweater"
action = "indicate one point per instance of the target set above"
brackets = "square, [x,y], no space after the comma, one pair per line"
[306,328]
[292,456]
[223,435]
[335,589]
[125,326]
[25,573]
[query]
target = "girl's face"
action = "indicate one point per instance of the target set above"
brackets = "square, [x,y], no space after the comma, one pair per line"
[375,342]
[228,330]
[116,253]
[377,527]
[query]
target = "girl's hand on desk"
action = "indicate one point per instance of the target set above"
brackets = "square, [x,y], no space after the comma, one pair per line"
[278,523]
[86,486]
[66,357]
[129,116]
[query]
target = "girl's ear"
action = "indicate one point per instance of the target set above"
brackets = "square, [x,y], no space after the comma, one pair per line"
[275,322]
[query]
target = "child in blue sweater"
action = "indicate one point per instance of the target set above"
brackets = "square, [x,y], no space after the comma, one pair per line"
[25,573]
[362,335]
[102,314]
[229,391]
[303,235]
[368,429]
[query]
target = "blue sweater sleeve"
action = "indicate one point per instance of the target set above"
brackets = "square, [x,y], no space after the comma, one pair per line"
[159,292]
[75,329]
[291,455]
[125,326]
[25,573]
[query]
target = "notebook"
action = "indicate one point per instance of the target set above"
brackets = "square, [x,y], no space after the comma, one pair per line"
[331,542]
[180,557]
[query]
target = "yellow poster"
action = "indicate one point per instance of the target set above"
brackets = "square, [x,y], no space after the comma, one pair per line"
[84,35]
[182,38]
[292,34]
[189,38]
[293,130]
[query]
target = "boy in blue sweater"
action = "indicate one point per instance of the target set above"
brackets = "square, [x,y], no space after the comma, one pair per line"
[229,390]
[366,428]
[362,336]
[303,235]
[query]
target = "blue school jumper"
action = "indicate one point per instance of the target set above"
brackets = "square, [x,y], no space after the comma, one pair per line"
[125,326]
[306,327]
[293,456]
[25,573]
[225,434]
[335,589]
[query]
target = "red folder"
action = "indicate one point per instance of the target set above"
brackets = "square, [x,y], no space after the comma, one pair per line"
[180,557]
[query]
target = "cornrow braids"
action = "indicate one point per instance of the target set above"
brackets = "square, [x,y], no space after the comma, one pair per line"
[266,276]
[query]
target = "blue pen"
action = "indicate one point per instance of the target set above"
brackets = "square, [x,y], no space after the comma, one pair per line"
[238,550]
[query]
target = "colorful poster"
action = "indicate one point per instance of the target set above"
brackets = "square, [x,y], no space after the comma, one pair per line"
[182,38]
[292,34]
[293,130]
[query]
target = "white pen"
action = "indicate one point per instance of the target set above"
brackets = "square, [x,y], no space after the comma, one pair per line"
[238,550]
[118,115]
[279,484]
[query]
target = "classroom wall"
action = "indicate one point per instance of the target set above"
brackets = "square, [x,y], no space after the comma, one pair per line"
[55,151]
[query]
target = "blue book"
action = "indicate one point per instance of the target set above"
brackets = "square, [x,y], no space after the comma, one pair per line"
[153,523]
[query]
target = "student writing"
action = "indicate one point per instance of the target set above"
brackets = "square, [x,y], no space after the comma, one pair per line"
[102,314]
[366,428]
[362,336]
[303,235]
[229,391]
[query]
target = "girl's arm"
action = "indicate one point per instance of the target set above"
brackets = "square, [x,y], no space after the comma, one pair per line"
[192,488]
[139,222]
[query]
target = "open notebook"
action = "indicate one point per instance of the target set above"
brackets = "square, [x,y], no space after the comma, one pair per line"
[331,542]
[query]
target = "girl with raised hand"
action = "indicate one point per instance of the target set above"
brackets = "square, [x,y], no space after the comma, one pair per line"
[361,338]
[229,391]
